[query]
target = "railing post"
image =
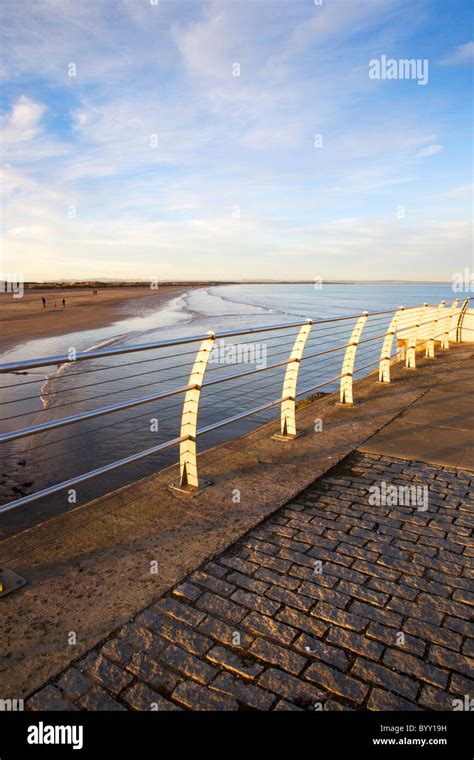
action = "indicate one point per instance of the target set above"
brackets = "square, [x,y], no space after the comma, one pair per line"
[345,393]
[464,306]
[386,352]
[447,324]
[430,343]
[288,406]
[188,475]
[410,360]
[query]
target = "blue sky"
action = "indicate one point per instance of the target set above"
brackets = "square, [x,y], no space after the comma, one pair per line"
[156,160]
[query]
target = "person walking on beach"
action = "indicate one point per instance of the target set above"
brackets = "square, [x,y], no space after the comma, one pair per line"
[64,302]
[44,302]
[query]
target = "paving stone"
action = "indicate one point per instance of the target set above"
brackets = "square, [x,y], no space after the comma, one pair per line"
[241,664]
[424,671]
[187,664]
[283,706]
[245,693]
[143,639]
[179,610]
[433,634]
[389,587]
[141,697]
[339,617]
[197,697]
[237,563]
[464,627]
[364,593]
[376,614]
[373,672]
[332,705]
[249,583]
[187,591]
[214,568]
[391,637]
[49,699]
[290,598]
[146,669]
[117,650]
[295,690]
[462,595]
[276,579]
[222,608]
[436,699]
[355,642]
[302,622]
[74,684]
[381,700]
[225,633]
[316,649]
[272,629]
[462,686]
[217,585]
[97,699]
[316,591]
[283,657]
[101,669]
[256,602]
[446,658]
[187,637]
[336,683]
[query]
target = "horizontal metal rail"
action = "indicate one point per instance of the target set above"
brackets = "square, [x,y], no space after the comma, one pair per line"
[89,475]
[118,350]
[407,323]
[54,424]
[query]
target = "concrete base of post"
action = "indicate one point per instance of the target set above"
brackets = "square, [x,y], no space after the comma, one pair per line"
[188,490]
[10,581]
[286,436]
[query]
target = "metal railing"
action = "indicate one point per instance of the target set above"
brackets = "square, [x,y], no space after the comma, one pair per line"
[410,329]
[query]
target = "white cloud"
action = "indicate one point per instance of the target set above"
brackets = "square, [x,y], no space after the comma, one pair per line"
[23,121]
[460,54]
[430,150]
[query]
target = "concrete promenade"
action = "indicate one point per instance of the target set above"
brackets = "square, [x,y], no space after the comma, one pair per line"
[333,601]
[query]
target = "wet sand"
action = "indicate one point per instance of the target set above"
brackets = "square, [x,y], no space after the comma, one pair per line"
[25,318]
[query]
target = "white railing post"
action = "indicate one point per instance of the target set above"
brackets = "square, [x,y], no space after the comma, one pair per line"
[386,352]
[465,304]
[188,474]
[288,405]
[430,343]
[345,393]
[447,324]
[410,359]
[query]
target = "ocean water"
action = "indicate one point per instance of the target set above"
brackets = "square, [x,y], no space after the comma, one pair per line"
[45,394]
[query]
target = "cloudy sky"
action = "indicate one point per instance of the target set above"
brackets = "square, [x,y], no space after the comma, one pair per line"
[231,139]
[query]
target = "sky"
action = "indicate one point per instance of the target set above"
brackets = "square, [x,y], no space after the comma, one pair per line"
[235,139]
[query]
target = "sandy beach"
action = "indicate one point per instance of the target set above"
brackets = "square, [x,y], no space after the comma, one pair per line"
[25,318]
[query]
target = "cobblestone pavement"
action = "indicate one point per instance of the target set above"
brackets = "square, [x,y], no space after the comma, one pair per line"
[331,603]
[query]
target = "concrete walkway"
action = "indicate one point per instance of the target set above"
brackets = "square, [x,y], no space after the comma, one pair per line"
[438,428]
[341,599]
